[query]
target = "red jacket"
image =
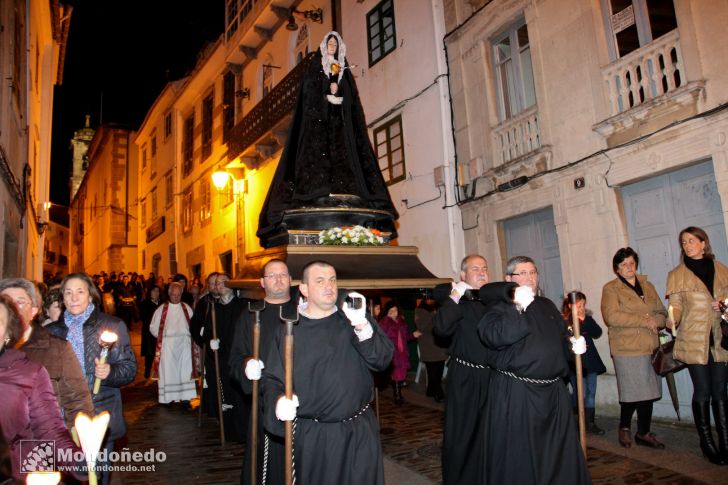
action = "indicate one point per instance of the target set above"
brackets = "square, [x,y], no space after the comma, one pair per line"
[28,408]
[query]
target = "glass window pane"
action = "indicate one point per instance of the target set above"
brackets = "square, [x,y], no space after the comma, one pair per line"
[397,170]
[662,17]
[503,50]
[389,44]
[394,129]
[396,143]
[522,37]
[529,91]
[383,163]
[396,157]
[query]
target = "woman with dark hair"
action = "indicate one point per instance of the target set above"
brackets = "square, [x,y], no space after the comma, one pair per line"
[395,326]
[28,408]
[634,313]
[695,288]
[82,324]
[591,361]
[52,306]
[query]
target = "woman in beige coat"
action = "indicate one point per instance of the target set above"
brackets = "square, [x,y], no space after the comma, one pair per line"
[694,288]
[634,314]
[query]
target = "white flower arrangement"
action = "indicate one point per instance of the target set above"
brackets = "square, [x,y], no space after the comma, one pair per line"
[351,236]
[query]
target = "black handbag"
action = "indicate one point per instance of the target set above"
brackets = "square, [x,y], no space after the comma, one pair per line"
[663,362]
[724,334]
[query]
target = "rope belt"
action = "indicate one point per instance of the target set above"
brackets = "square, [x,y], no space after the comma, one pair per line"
[470,364]
[527,379]
[361,411]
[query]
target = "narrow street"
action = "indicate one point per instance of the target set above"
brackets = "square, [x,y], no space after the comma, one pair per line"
[411,438]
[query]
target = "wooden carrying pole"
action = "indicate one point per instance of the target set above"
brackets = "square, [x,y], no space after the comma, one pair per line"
[579,375]
[217,377]
[288,364]
[257,308]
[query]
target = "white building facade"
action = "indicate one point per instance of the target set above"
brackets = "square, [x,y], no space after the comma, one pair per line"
[586,126]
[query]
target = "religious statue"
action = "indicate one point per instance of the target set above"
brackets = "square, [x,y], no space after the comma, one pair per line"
[328,174]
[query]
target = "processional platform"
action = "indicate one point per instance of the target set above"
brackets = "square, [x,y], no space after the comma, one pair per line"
[357,267]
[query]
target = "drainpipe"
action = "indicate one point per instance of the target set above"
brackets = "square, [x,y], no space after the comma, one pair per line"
[449,153]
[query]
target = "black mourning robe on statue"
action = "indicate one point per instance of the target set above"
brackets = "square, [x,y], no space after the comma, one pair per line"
[467,388]
[327,152]
[531,434]
[241,351]
[336,438]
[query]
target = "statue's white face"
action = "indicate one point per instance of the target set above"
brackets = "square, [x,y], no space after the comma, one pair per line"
[331,46]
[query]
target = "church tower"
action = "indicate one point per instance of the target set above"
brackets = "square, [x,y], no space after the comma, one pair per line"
[79,146]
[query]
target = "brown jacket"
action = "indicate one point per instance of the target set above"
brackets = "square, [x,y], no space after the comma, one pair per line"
[691,306]
[626,317]
[69,383]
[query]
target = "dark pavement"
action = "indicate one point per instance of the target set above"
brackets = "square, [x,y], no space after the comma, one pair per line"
[411,439]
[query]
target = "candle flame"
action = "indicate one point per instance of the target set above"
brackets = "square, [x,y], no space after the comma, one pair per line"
[43,478]
[108,337]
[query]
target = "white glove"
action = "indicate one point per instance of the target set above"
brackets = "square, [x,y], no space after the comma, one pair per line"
[578,345]
[253,368]
[523,297]
[215,344]
[357,316]
[286,408]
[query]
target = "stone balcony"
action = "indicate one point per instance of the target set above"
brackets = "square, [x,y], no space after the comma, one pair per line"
[516,137]
[648,84]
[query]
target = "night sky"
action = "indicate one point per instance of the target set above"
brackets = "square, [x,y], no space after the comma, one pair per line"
[119,57]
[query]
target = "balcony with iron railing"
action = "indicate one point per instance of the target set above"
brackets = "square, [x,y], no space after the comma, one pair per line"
[268,113]
[516,137]
[651,77]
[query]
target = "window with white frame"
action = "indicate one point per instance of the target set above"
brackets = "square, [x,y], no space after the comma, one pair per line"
[187,210]
[205,199]
[188,144]
[635,23]
[169,193]
[389,147]
[513,71]
[153,197]
[207,126]
[381,36]
[167,126]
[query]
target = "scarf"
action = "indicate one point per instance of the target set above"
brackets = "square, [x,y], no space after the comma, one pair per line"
[704,269]
[75,332]
[637,287]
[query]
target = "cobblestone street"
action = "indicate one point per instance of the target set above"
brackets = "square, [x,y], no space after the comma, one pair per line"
[411,438]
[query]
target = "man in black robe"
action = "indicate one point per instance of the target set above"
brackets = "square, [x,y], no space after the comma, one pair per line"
[336,436]
[531,434]
[467,379]
[201,319]
[276,281]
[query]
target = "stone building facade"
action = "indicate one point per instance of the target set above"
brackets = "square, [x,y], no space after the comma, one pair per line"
[583,127]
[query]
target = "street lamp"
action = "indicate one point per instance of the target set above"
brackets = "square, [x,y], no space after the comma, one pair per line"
[221,179]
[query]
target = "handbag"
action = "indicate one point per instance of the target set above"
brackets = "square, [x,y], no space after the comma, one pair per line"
[724,334]
[663,362]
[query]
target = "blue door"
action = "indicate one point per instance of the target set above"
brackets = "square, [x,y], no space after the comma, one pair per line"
[657,209]
[534,235]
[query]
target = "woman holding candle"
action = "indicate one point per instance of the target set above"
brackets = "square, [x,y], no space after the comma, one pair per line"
[634,313]
[694,289]
[82,324]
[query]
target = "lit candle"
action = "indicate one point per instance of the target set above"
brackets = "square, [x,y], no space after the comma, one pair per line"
[91,434]
[107,340]
[671,316]
[43,478]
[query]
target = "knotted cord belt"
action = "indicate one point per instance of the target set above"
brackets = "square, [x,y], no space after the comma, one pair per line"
[527,379]
[470,364]
[351,418]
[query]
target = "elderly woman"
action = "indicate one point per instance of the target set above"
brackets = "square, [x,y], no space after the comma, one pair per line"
[82,324]
[633,312]
[694,289]
[28,408]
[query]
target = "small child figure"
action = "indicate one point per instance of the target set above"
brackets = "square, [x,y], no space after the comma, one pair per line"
[591,362]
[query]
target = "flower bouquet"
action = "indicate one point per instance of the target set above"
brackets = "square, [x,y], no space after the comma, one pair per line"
[351,236]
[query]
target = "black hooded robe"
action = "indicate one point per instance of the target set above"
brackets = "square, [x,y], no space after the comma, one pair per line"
[531,434]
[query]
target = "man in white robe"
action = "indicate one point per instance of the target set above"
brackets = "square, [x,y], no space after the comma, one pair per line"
[173,358]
